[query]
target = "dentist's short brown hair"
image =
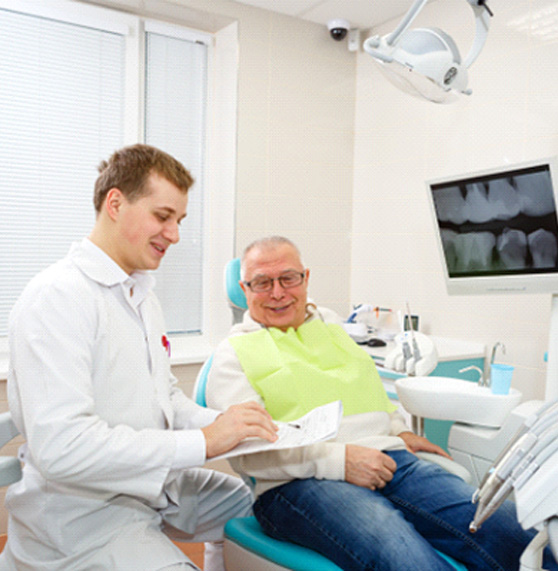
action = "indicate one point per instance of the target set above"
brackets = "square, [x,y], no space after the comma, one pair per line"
[129,169]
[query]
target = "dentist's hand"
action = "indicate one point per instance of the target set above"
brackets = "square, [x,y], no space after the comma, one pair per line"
[238,422]
[368,467]
[417,443]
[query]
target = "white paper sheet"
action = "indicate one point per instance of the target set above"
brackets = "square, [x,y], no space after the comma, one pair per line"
[321,423]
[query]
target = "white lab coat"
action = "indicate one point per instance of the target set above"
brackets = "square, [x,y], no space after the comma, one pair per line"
[90,389]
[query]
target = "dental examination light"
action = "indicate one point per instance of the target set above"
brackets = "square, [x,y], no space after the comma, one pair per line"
[425,62]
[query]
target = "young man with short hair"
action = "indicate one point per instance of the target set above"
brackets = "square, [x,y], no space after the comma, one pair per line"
[112,445]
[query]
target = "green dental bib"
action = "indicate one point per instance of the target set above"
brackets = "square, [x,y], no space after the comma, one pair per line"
[298,370]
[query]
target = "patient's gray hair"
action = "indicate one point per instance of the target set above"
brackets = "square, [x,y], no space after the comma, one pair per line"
[267,243]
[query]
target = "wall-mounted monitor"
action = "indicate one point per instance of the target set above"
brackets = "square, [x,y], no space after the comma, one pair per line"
[497,229]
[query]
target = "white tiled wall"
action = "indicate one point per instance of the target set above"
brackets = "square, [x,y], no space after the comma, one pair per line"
[400,142]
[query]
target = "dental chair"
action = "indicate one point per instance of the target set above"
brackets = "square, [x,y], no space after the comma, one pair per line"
[247,547]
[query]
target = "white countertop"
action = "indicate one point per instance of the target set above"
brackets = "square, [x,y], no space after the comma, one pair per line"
[448,349]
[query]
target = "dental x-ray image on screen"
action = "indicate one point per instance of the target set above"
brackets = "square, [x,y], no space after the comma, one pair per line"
[498,224]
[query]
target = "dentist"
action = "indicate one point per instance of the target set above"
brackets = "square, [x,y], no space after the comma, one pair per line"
[112,445]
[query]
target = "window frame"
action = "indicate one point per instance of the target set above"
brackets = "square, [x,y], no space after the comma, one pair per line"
[220,150]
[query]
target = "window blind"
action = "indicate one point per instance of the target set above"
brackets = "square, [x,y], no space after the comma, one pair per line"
[175,116]
[61,110]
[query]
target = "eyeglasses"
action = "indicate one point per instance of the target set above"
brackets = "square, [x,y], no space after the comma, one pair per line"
[265,283]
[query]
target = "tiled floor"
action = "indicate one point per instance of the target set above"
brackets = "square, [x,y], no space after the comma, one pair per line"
[193,550]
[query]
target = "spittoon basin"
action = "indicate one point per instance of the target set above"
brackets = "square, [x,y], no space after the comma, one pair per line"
[444,398]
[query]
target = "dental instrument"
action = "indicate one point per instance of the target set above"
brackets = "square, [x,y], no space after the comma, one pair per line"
[528,467]
[425,62]
[531,422]
[405,361]
[498,486]
[416,350]
[514,474]
[397,360]
[362,308]
[357,330]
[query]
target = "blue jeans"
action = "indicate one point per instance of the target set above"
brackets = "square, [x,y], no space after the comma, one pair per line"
[396,528]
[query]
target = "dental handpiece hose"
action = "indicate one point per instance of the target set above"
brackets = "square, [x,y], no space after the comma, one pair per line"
[492,484]
[484,497]
[523,473]
[527,425]
[517,478]
[406,354]
[416,350]
[520,464]
[486,509]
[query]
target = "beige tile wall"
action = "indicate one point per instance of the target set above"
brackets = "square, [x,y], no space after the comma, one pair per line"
[401,142]
[295,146]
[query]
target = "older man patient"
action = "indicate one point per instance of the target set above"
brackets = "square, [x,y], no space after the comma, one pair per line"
[363,500]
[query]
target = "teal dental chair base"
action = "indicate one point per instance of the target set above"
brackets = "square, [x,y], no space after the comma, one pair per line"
[248,548]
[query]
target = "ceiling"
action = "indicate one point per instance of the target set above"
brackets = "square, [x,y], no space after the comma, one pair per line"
[361,14]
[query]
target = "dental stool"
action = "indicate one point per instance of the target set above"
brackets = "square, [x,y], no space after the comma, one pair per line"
[247,547]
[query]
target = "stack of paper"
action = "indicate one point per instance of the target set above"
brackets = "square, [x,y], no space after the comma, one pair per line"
[319,424]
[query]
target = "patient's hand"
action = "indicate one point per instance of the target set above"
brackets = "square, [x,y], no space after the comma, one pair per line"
[417,443]
[368,467]
[238,422]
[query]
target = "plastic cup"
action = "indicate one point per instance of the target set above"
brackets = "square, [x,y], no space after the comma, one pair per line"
[500,378]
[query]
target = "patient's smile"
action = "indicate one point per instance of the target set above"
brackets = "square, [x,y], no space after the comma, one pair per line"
[279,307]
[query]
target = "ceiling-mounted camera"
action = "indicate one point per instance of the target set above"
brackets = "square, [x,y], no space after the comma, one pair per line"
[338,28]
